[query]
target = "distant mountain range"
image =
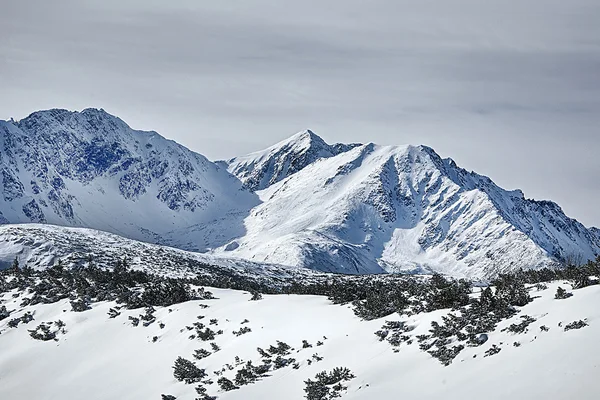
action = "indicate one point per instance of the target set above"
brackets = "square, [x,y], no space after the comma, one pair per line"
[350,208]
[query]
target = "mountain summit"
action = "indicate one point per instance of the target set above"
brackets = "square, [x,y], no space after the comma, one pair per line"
[353,208]
[263,168]
[90,169]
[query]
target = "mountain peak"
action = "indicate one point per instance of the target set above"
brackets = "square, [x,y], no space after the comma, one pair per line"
[302,140]
[61,114]
[263,168]
[90,122]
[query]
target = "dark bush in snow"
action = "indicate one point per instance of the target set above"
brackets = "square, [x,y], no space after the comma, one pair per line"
[205,334]
[282,349]
[492,350]
[186,371]
[113,313]
[242,331]
[43,332]
[562,294]
[520,327]
[25,318]
[576,325]
[4,313]
[255,296]
[80,305]
[201,353]
[226,385]
[326,385]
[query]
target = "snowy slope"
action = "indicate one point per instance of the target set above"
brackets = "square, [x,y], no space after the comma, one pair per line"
[390,208]
[99,358]
[89,169]
[41,246]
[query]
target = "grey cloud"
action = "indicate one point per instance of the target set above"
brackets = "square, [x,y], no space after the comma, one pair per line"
[509,89]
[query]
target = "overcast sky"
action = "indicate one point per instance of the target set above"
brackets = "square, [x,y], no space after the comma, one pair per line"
[510,89]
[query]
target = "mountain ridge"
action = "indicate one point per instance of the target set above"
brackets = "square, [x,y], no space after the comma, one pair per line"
[351,208]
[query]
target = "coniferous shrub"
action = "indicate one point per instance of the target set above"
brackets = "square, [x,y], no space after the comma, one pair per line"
[326,385]
[205,334]
[511,289]
[492,350]
[576,325]
[562,294]
[80,305]
[4,313]
[281,362]
[201,353]
[281,349]
[520,327]
[255,296]
[113,313]
[263,353]
[226,384]
[43,332]
[246,375]
[242,331]
[186,371]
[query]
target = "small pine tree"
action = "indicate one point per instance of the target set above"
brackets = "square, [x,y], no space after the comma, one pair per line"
[255,295]
[201,353]
[80,305]
[226,385]
[562,294]
[186,371]
[4,313]
[15,265]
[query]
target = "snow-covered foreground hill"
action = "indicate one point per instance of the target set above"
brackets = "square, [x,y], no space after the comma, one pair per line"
[97,357]
[41,246]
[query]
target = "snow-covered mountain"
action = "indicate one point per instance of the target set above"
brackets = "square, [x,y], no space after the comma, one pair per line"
[90,169]
[396,208]
[352,208]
